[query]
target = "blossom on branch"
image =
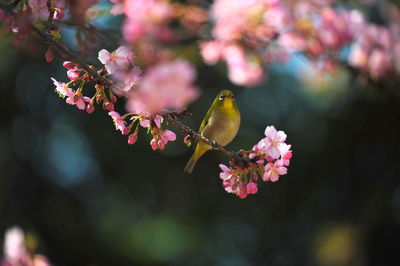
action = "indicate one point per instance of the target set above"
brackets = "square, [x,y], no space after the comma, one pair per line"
[267,161]
[120,59]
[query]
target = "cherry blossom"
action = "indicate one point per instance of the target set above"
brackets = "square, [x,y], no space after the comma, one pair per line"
[165,86]
[76,98]
[120,59]
[61,88]
[274,170]
[268,160]
[118,122]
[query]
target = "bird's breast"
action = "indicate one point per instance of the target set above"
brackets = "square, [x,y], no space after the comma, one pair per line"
[222,128]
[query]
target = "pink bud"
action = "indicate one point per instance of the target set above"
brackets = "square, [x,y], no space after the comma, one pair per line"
[72,74]
[49,55]
[113,98]
[90,108]
[243,192]
[132,138]
[252,188]
[153,144]
[69,65]
[126,130]
[58,14]
[108,106]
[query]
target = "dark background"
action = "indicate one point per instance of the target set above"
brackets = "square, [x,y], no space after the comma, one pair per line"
[74,185]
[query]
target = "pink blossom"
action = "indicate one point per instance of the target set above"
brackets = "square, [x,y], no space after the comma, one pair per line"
[118,122]
[69,65]
[132,138]
[61,88]
[358,56]
[128,80]
[49,55]
[73,74]
[286,154]
[14,245]
[274,170]
[118,7]
[144,122]
[16,253]
[225,171]
[167,85]
[59,5]
[76,98]
[153,16]
[242,70]
[211,51]
[161,138]
[293,41]
[379,63]
[158,120]
[39,9]
[120,59]
[278,17]
[273,143]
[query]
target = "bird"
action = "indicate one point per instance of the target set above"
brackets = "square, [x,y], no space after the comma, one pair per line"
[220,124]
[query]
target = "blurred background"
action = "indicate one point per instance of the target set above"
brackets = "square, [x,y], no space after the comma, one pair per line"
[87,198]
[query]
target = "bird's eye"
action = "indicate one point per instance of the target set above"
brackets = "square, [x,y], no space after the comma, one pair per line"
[221,97]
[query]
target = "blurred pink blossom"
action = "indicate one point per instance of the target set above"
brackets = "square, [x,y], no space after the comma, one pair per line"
[39,9]
[16,253]
[211,51]
[167,85]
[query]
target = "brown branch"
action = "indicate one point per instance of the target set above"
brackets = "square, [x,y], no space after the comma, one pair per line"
[66,53]
[214,145]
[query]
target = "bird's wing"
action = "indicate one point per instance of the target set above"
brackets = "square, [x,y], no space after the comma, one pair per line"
[204,123]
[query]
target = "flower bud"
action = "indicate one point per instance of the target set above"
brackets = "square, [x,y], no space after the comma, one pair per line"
[69,65]
[90,108]
[132,138]
[108,106]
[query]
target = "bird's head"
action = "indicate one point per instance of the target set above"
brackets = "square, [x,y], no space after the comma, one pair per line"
[225,100]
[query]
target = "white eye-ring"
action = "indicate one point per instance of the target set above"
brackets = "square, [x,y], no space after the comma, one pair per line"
[221,97]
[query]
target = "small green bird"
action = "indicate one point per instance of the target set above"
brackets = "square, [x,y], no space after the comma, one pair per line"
[220,124]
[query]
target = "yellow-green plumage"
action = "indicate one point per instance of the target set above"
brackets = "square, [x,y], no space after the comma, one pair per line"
[220,124]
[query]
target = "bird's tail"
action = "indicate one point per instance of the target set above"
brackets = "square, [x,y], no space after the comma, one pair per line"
[199,151]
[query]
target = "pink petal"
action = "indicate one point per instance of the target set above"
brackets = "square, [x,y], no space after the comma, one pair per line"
[171,136]
[224,167]
[104,56]
[114,115]
[80,104]
[145,123]
[157,120]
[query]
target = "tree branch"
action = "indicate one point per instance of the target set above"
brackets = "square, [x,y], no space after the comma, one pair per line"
[169,116]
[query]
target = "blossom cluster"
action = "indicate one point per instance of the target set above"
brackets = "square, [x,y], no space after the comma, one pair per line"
[153,124]
[267,161]
[79,78]
[17,254]
[167,85]
[244,34]
[41,9]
